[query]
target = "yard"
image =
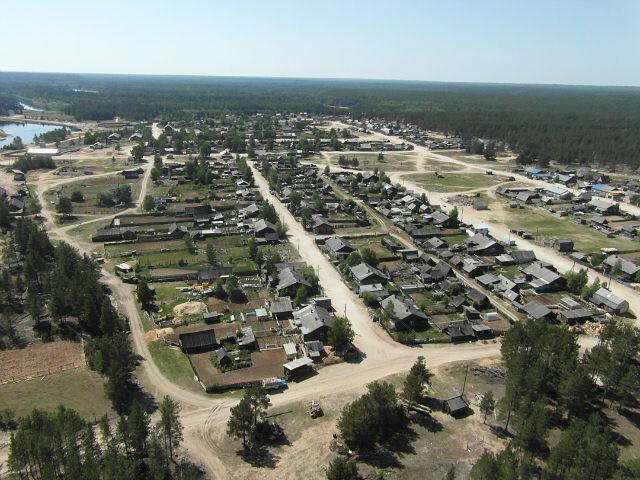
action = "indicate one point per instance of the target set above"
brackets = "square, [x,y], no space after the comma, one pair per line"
[538,222]
[265,364]
[374,243]
[174,365]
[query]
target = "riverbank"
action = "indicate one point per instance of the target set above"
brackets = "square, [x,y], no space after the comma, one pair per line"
[23,119]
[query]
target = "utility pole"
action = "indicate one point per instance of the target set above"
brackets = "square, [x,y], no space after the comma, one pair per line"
[464,385]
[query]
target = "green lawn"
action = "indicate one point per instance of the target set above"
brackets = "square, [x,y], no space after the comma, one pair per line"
[453,181]
[431,334]
[585,238]
[79,389]
[174,365]
[455,239]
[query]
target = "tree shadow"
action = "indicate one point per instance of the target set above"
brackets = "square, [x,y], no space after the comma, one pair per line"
[500,432]
[632,415]
[259,456]
[397,446]
[427,422]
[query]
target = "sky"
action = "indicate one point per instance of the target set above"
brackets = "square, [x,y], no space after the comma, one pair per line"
[582,42]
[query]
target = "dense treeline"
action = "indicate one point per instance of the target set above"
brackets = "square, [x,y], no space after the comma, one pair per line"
[576,124]
[61,291]
[28,162]
[61,445]
[54,136]
[552,392]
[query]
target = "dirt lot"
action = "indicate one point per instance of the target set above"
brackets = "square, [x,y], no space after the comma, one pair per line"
[430,443]
[266,363]
[40,360]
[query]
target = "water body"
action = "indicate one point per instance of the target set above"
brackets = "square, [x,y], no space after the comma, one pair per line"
[26,131]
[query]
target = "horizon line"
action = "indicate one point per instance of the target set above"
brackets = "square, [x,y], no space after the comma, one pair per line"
[344,79]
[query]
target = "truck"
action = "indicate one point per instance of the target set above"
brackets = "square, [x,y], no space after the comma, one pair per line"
[274,383]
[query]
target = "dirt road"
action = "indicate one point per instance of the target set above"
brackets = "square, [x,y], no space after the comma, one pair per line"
[205,417]
[500,231]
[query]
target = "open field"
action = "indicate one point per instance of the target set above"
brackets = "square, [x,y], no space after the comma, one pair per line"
[90,188]
[453,182]
[585,238]
[39,360]
[501,163]
[392,161]
[79,389]
[98,161]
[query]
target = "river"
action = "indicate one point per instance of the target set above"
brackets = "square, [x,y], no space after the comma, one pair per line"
[26,131]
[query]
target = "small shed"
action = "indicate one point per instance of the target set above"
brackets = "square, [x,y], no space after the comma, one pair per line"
[457,406]
[261,314]
[211,317]
[297,367]
[223,357]
[290,350]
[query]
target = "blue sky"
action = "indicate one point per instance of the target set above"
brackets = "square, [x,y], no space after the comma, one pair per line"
[532,41]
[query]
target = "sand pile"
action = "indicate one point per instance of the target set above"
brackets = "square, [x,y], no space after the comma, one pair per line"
[188,309]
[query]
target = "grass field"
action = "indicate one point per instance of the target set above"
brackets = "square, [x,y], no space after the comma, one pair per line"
[453,182]
[91,187]
[174,365]
[392,162]
[80,389]
[585,238]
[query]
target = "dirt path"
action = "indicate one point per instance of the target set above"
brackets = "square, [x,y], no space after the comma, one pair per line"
[500,231]
[204,418]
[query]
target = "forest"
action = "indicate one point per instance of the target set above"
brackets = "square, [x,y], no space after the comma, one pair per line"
[566,123]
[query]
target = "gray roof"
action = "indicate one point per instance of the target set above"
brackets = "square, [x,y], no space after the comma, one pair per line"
[600,204]
[247,336]
[536,310]
[262,224]
[288,277]
[626,266]
[339,245]
[311,318]
[281,305]
[403,308]
[542,274]
[608,299]
[523,256]
[363,271]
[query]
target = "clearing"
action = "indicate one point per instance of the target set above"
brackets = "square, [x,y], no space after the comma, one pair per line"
[453,182]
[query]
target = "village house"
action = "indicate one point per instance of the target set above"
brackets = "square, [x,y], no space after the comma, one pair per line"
[314,322]
[605,299]
[338,247]
[365,274]
[405,314]
[622,267]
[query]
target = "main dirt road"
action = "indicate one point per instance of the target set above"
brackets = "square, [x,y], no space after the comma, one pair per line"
[205,416]
[498,230]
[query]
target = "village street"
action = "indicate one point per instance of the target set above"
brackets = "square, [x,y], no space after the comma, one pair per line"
[488,217]
[204,417]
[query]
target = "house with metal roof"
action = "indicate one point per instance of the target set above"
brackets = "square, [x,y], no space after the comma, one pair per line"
[314,322]
[364,274]
[605,299]
[338,247]
[406,315]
